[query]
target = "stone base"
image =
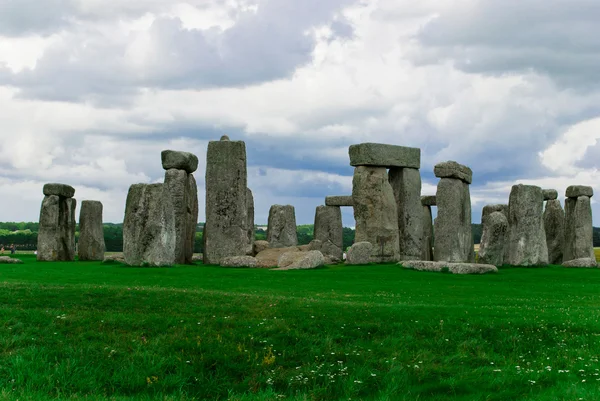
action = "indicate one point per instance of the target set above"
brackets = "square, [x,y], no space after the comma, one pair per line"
[454,268]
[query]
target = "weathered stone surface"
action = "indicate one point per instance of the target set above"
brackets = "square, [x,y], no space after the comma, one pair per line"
[149,236]
[383,155]
[453,237]
[452,169]
[10,261]
[406,183]
[328,229]
[493,239]
[56,233]
[176,187]
[359,253]
[582,262]
[526,234]
[376,213]
[66,191]
[269,257]
[198,258]
[250,220]
[281,229]
[489,209]
[300,260]
[225,232]
[427,241]
[454,268]
[575,191]
[550,194]
[260,246]
[91,231]
[554,226]
[429,200]
[339,201]
[578,239]
[315,245]
[238,261]
[119,258]
[172,159]
[191,219]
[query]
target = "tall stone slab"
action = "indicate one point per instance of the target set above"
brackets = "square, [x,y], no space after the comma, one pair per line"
[225,232]
[526,234]
[329,230]
[91,231]
[489,209]
[192,218]
[176,187]
[427,239]
[406,183]
[250,221]
[56,233]
[491,247]
[453,236]
[376,213]
[578,240]
[554,226]
[149,236]
[281,228]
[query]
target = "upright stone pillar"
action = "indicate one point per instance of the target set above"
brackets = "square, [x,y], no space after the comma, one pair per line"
[250,221]
[329,230]
[427,240]
[453,236]
[281,228]
[491,247]
[406,183]
[578,223]
[56,233]
[554,226]
[91,231]
[526,234]
[225,231]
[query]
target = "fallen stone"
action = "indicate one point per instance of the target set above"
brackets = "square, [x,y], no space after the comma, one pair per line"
[328,230]
[198,258]
[66,191]
[383,155]
[359,253]
[406,184]
[554,226]
[550,194]
[578,233]
[172,159]
[581,262]
[339,201]
[260,246]
[269,257]
[300,260]
[116,258]
[429,200]
[9,260]
[575,191]
[454,268]
[91,231]
[281,229]
[238,261]
[493,238]
[452,169]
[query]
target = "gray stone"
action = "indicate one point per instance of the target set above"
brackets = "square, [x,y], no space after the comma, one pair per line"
[359,253]
[269,257]
[526,234]
[224,138]
[453,237]
[375,213]
[66,191]
[493,239]
[300,260]
[260,246]
[554,226]
[452,169]
[281,229]
[550,194]
[198,258]
[192,218]
[454,268]
[428,200]
[91,231]
[172,159]
[250,220]
[149,236]
[489,209]
[238,261]
[176,187]
[575,191]
[56,233]
[119,258]
[427,241]
[225,231]
[578,240]
[406,183]
[10,261]
[582,262]
[328,229]
[382,155]
[339,201]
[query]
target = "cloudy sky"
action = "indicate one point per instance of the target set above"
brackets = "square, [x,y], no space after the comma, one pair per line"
[92,90]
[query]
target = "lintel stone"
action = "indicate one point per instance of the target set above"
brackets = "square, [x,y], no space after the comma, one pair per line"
[550,194]
[66,191]
[340,200]
[575,191]
[429,200]
[179,160]
[452,169]
[383,155]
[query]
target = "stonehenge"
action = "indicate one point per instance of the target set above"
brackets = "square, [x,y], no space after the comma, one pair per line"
[281,229]
[578,231]
[91,232]
[56,233]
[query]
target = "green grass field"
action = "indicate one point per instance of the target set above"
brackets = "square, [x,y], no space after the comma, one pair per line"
[92,331]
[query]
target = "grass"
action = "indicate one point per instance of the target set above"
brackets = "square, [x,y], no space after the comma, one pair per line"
[85,330]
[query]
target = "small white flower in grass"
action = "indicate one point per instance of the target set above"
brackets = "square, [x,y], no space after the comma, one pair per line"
[497,370]
[373,375]
[583,381]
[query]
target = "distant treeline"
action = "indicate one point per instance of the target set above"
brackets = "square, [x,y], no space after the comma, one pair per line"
[24,235]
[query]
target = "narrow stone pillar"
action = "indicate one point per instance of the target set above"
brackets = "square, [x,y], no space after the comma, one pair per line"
[225,231]
[491,247]
[406,183]
[578,240]
[526,235]
[453,236]
[329,230]
[56,233]
[554,226]
[281,228]
[250,222]
[427,239]
[91,231]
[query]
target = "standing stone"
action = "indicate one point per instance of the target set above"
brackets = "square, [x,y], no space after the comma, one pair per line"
[375,212]
[176,186]
[281,228]
[489,209]
[225,232]
[578,240]
[526,235]
[149,236]
[192,218]
[329,231]
[250,221]
[427,241]
[453,237]
[91,231]
[554,226]
[56,233]
[491,248]
[406,183]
